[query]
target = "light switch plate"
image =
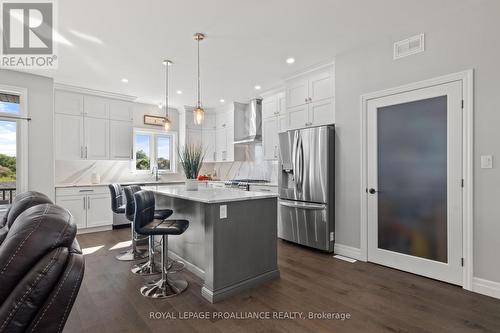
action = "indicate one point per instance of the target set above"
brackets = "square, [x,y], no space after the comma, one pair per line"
[486,162]
[223,211]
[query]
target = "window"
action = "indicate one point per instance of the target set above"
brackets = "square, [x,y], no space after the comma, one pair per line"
[153,149]
[12,152]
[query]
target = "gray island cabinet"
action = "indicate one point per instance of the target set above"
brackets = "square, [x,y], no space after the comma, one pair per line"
[231,242]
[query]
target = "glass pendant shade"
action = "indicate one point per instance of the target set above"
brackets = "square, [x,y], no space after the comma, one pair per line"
[199,114]
[167,124]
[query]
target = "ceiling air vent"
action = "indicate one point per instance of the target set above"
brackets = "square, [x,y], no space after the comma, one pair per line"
[412,45]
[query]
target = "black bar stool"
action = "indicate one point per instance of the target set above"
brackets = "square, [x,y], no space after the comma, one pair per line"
[119,207]
[146,224]
[149,267]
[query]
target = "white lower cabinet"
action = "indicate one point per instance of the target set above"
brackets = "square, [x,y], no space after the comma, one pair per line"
[90,206]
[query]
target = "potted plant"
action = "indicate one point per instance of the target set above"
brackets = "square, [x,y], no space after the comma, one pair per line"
[191,158]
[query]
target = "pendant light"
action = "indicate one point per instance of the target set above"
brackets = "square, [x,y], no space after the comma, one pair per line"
[198,112]
[168,123]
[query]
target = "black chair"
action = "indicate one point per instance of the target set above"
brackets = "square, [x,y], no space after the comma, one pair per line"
[117,204]
[146,224]
[41,270]
[149,267]
[21,202]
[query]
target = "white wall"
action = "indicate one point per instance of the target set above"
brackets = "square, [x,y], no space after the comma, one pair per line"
[40,128]
[457,40]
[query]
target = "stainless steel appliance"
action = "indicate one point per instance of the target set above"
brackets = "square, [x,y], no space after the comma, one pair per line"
[243,184]
[248,122]
[306,185]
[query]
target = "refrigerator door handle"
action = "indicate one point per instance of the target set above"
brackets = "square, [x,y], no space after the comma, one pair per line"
[302,205]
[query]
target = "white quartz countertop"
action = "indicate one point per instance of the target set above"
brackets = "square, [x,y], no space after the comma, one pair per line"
[146,182]
[210,195]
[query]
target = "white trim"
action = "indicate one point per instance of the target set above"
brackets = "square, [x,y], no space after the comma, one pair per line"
[486,287]
[94,229]
[467,162]
[347,251]
[311,69]
[22,137]
[88,91]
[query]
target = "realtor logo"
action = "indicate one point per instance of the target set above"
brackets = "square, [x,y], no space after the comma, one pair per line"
[27,34]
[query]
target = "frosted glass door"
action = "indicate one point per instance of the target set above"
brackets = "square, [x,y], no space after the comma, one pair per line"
[415,182]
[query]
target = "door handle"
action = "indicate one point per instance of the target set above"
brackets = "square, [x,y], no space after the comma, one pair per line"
[372,191]
[84,203]
[88,205]
[310,206]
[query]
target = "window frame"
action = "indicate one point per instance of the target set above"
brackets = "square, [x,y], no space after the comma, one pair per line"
[22,127]
[153,152]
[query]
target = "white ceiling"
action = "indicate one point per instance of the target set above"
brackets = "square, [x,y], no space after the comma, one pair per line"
[247,44]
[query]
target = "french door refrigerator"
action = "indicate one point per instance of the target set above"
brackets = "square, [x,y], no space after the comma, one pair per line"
[307,187]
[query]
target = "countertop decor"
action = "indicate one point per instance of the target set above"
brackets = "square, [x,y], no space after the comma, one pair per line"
[191,158]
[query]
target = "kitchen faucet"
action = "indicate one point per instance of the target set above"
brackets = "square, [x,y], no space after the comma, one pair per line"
[155,171]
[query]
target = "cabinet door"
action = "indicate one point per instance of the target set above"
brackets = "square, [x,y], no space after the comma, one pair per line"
[208,139]
[298,116]
[68,103]
[99,210]
[321,86]
[68,132]
[209,122]
[96,138]
[224,119]
[322,112]
[270,137]
[121,110]
[297,93]
[77,206]
[97,107]
[229,144]
[281,104]
[283,123]
[269,106]
[120,140]
[193,137]
[220,145]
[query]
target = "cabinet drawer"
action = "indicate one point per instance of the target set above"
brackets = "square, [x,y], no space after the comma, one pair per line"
[77,190]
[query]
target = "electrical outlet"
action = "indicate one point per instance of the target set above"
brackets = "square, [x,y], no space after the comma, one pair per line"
[223,211]
[486,162]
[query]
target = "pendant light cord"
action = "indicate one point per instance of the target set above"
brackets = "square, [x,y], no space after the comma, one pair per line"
[166,91]
[199,84]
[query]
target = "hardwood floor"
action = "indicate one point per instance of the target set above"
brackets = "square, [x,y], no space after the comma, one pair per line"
[377,298]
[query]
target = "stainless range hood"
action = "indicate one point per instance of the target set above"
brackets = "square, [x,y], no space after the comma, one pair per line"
[248,122]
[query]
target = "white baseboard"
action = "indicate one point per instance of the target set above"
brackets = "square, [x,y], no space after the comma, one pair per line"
[486,287]
[94,229]
[347,251]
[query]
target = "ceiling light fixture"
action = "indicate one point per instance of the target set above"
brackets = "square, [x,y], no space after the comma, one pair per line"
[179,92]
[167,123]
[124,80]
[257,87]
[222,100]
[290,60]
[198,112]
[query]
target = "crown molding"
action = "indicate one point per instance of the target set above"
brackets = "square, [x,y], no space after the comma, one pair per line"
[88,91]
[310,69]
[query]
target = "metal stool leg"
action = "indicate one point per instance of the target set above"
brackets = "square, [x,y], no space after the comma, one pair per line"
[149,267]
[165,287]
[134,253]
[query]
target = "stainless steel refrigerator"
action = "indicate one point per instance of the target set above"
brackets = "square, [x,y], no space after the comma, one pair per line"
[307,187]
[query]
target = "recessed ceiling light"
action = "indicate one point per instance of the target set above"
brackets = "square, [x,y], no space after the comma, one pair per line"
[160,106]
[179,92]
[124,80]
[257,87]
[165,62]
[290,60]
[222,100]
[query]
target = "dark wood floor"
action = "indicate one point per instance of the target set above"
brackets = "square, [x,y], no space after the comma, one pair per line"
[378,299]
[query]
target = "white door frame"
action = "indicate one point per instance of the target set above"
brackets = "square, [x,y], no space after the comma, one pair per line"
[22,120]
[467,78]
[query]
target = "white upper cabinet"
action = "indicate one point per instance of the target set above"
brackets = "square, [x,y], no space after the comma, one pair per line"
[96,107]
[270,138]
[194,137]
[274,120]
[208,139]
[96,138]
[224,119]
[270,106]
[69,140]
[120,140]
[121,110]
[221,144]
[310,99]
[209,122]
[321,86]
[68,103]
[83,129]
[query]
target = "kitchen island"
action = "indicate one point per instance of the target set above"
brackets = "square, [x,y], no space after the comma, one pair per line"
[231,242]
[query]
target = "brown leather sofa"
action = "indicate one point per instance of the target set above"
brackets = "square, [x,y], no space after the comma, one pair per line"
[41,267]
